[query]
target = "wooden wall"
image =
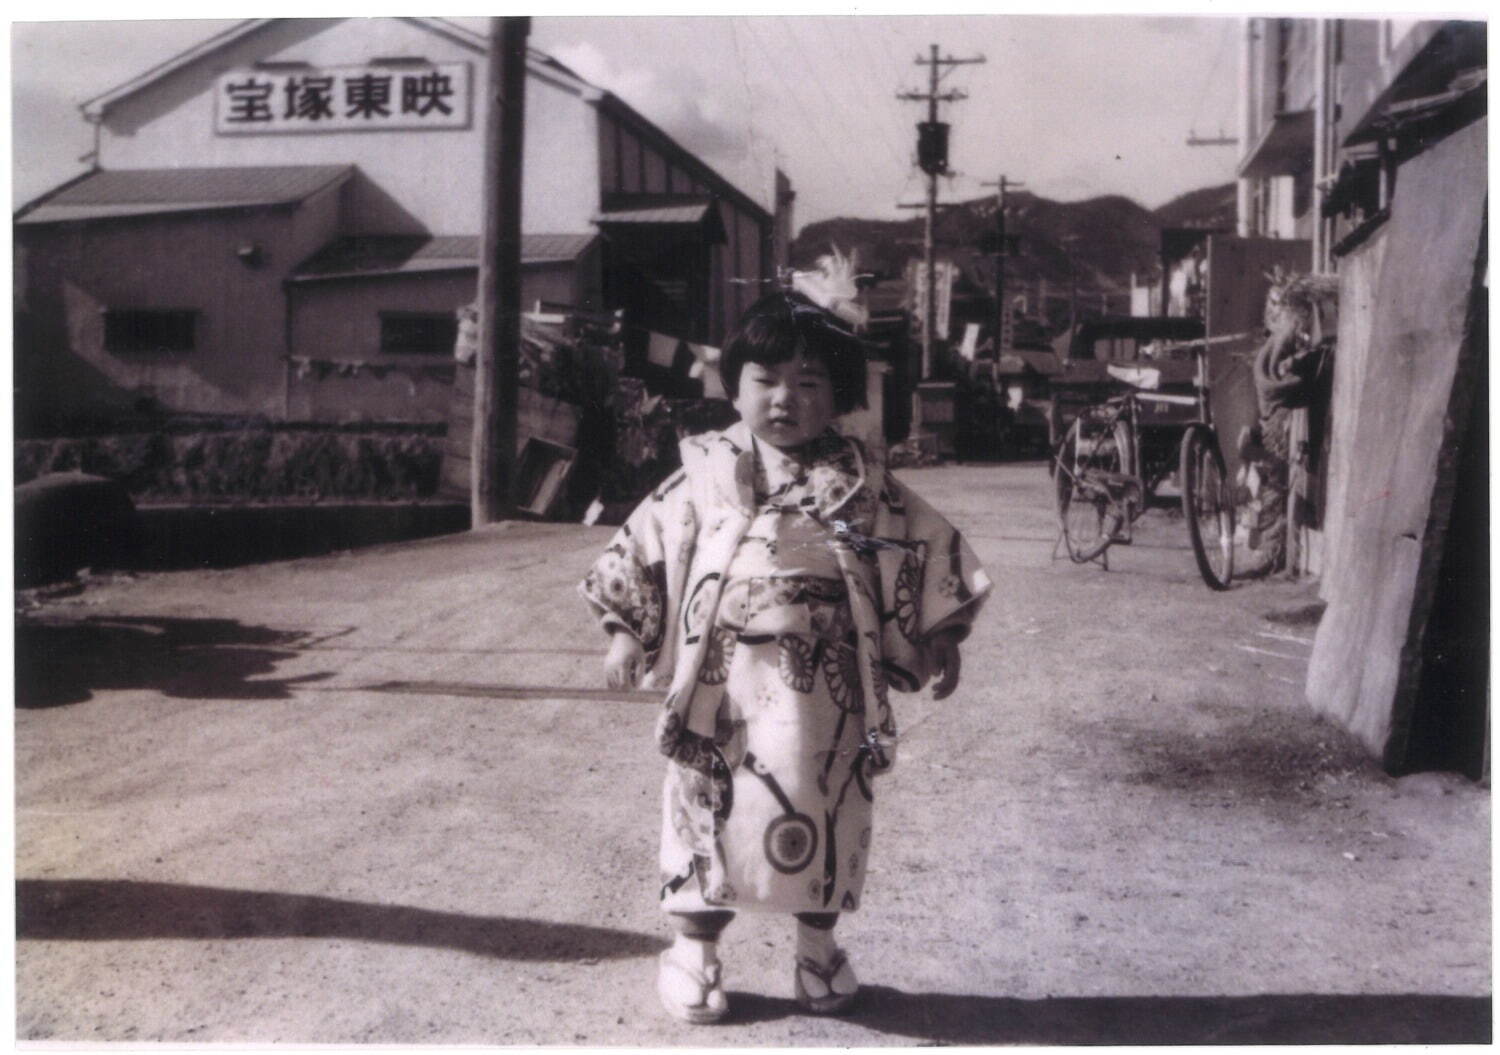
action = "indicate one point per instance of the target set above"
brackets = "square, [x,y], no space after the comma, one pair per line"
[631,161]
[1403,389]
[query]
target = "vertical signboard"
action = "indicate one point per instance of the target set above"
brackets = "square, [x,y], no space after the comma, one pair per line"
[916,285]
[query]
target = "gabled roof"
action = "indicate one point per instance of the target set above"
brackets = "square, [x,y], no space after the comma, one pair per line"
[536,61]
[112,193]
[361,256]
[538,64]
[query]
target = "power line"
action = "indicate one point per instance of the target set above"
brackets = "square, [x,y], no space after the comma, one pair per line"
[823,87]
[893,127]
[1210,75]
[749,95]
[813,122]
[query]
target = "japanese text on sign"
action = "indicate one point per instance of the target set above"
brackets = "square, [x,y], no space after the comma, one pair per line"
[342,99]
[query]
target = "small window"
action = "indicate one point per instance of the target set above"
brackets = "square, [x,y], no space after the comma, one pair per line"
[418,333]
[149,331]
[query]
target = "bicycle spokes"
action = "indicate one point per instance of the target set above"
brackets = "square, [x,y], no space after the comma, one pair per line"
[1208,507]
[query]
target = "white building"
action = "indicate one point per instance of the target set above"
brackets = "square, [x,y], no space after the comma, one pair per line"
[283,219]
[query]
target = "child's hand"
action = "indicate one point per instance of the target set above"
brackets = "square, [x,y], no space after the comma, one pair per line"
[944,658]
[622,663]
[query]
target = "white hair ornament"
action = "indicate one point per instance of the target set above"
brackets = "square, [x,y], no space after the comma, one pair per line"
[833,287]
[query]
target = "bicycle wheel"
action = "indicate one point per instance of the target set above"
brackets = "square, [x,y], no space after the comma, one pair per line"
[1208,506]
[1086,507]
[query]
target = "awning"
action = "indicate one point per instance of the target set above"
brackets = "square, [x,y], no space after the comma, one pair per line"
[626,216]
[1286,147]
[1416,118]
[1448,69]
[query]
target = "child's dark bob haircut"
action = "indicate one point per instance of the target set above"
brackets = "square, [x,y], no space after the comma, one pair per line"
[783,326]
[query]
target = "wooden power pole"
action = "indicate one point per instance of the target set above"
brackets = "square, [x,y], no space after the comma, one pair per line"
[1002,250]
[493,441]
[932,156]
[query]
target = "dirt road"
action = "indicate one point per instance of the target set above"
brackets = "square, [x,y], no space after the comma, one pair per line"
[380,797]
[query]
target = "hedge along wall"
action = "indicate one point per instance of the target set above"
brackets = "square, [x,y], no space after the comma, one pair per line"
[285,463]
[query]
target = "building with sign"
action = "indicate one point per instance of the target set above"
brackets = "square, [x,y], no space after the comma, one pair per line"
[283,220]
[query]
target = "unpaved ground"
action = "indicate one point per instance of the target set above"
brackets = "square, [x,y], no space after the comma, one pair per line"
[377,797]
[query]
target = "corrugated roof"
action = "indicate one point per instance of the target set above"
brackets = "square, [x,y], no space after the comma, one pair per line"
[143,192]
[541,248]
[363,255]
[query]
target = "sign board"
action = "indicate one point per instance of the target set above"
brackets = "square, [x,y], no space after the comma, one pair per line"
[970,343]
[343,99]
[947,273]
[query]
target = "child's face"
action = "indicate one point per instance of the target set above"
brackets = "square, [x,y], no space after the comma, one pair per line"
[786,404]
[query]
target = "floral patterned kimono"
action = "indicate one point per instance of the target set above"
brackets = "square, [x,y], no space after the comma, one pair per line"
[776,602]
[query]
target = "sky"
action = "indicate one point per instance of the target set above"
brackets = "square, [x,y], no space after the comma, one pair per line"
[1074,107]
[1071,106]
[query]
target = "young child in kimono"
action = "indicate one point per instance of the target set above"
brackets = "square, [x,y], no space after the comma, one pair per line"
[776,586]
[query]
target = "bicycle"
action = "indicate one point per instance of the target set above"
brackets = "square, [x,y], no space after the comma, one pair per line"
[1109,463]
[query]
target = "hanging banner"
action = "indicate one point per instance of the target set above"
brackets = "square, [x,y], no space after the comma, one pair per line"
[916,285]
[343,99]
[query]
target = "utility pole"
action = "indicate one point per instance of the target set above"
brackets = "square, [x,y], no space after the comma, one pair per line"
[1002,249]
[1068,241]
[932,156]
[1072,292]
[492,448]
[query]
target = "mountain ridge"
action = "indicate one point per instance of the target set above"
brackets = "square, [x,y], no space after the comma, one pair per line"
[1100,241]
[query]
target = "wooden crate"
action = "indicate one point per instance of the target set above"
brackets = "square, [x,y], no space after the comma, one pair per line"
[536,416]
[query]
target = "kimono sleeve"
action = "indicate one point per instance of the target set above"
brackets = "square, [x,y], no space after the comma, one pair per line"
[627,586]
[943,579]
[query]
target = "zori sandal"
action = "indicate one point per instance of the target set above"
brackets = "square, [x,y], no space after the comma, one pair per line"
[691,994]
[833,986]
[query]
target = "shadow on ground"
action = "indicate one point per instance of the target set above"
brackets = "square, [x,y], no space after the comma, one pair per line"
[124,910]
[62,662]
[944,1018]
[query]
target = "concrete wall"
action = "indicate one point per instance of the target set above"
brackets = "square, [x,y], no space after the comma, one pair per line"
[409,180]
[338,321]
[1284,55]
[1361,75]
[76,271]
